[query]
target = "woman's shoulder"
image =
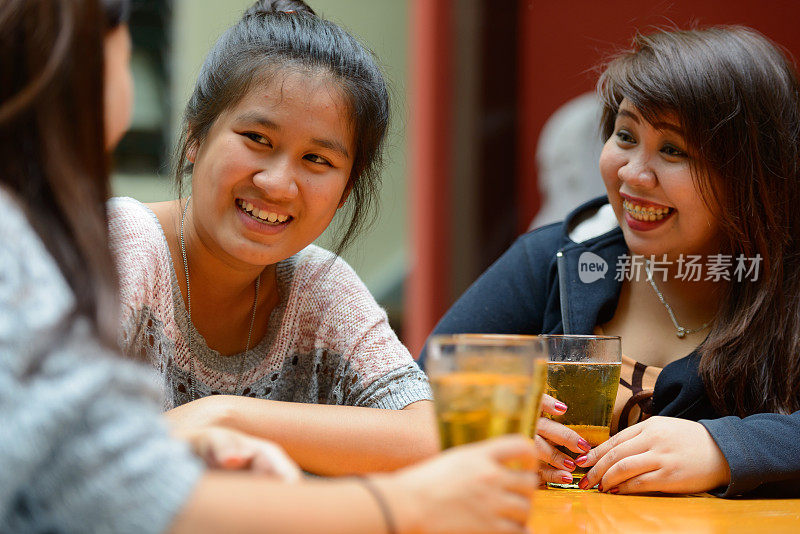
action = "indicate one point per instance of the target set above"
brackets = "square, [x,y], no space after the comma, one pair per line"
[33,292]
[317,264]
[134,231]
[127,217]
[319,278]
[141,253]
[22,247]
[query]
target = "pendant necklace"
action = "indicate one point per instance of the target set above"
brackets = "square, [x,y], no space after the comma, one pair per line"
[193,377]
[681,332]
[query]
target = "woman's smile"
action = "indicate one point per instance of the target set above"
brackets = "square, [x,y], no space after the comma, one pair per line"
[643,215]
[262,219]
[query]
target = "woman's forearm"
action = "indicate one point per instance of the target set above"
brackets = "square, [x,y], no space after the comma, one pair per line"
[240,503]
[324,439]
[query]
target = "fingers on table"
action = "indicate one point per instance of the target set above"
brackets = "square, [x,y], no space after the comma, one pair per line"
[626,459]
[594,456]
[555,476]
[561,435]
[646,482]
[549,454]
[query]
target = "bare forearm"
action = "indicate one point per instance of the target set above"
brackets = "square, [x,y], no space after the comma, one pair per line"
[323,439]
[239,503]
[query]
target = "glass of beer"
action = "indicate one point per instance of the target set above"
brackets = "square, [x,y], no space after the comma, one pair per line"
[486,385]
[583,373]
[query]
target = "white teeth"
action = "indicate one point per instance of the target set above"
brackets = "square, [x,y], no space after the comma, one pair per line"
[262,215]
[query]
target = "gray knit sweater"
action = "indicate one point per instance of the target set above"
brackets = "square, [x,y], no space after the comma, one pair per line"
[82,446]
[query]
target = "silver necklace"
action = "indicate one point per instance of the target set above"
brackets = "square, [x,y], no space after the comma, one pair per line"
[193,377]
[681,332]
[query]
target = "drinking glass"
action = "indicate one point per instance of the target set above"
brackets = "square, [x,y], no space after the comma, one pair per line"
[583,373]
[486,385]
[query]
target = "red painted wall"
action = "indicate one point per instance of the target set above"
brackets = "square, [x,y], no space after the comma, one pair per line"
[429,133]
[561,42]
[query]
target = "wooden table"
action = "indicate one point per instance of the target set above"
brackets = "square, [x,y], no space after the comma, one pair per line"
[566,511]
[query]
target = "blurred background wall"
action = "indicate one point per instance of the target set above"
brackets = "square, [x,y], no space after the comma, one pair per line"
[474,83]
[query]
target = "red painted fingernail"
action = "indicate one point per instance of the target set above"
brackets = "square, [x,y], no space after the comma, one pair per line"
[569,464]
[567,479]
[600,487]
[581,459]
[584,445]
[560,406]
[583,483]
[614,491]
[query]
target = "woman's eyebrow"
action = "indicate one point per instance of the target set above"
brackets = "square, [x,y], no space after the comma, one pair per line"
[331,144]
[629,114]
[252,117]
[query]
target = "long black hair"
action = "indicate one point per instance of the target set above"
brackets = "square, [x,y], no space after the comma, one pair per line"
[52,153]
[736,97]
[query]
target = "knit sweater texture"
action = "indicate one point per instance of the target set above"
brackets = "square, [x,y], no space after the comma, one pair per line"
[327,341]
[83,447]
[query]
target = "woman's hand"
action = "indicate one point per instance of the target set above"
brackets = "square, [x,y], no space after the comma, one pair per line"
[481,487]
[556,466]
[663,454]
[223,448]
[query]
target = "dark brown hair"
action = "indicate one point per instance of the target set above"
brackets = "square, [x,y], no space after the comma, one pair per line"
[52,154]
[265,42]
[735,95]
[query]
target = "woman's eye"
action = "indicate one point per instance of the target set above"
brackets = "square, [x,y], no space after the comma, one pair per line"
[314,158]
[260,139]
[670,150]
[625,137]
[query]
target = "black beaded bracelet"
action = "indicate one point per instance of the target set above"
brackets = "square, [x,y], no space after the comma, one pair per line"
[388,518]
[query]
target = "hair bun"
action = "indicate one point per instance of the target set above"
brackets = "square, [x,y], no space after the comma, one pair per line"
[262,7]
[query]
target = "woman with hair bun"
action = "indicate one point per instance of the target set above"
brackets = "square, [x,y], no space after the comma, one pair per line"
[253,326]
[701,165]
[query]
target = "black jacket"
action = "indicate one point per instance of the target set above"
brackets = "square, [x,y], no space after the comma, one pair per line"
[536,288]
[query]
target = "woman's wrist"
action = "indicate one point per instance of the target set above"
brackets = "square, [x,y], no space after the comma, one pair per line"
[381,501]
[398,500]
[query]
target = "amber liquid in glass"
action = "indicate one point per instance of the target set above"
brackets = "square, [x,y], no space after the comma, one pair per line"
[589,390]
[474,406]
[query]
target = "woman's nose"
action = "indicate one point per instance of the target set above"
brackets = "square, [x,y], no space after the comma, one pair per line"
[278,180]
[638,171]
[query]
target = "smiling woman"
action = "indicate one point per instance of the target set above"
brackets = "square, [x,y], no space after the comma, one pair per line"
[651,187]
[225,293]
[272,170]
[702,171]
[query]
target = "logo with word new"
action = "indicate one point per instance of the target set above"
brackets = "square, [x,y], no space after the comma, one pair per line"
[591,267]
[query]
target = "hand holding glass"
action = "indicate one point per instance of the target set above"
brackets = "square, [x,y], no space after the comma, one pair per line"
[583,373]
[486,385]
